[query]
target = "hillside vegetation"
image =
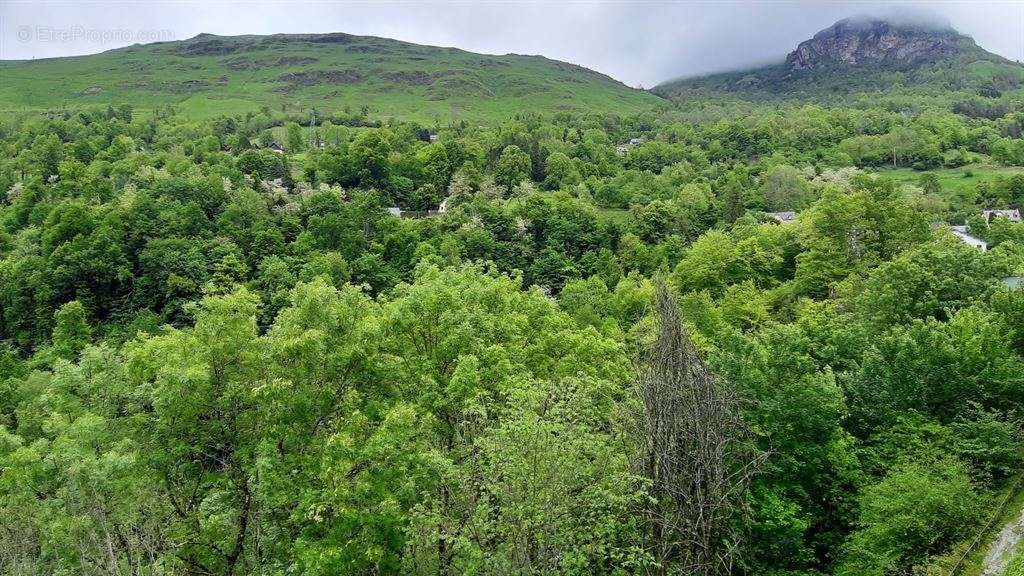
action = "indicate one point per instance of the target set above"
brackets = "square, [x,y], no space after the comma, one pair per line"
[210,75]
[579,343]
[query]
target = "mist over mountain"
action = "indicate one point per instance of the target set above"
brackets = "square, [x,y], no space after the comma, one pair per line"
[900,18]
[866,53]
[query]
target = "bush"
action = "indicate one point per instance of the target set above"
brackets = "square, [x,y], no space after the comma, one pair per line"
[992,446]
[918,510]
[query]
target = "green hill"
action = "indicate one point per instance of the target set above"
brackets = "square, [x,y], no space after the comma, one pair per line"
[210,75]
[864,55]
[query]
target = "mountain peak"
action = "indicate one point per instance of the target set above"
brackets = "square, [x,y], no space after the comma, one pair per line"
[869,41]
[866,54]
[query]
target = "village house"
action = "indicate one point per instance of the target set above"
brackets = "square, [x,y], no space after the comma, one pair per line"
[621,149]
[400,213]
[783,217]
[433,137]
[1011,215]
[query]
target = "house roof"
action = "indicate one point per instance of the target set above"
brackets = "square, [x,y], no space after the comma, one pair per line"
[1013,215]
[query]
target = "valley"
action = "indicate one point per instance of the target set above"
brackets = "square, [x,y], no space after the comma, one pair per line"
[328,304]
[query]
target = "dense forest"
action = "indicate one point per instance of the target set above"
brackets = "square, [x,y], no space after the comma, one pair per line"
[577,344]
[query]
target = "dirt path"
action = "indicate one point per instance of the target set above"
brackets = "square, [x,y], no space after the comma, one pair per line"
[1001,550]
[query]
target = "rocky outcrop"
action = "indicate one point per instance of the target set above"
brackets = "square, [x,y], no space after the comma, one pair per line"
[867,41]
[860,55]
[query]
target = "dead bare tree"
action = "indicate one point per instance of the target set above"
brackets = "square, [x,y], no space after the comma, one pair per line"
[692,450]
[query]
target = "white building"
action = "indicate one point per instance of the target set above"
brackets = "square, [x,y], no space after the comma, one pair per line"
[1011,215]
[782,217]
[621,149]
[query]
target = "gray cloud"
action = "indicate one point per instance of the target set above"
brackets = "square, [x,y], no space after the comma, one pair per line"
[640,43]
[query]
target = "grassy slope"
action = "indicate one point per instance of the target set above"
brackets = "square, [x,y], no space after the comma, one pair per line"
[1016,567]
[956,180]
[212,75]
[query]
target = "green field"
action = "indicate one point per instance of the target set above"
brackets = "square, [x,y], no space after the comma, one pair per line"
[208,76]
[956,181]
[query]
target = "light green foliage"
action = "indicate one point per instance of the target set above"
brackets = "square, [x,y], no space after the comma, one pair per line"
[848,232]
[561,172]
[785,188]
[269,450]
[512,168]
[553,489]
[937,368]
[295,142]
[1016,565]
[716,260]
[916,510]
[931,280]
[221,358]
[71,330]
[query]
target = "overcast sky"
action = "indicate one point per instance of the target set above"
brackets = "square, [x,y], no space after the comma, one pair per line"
[640,42]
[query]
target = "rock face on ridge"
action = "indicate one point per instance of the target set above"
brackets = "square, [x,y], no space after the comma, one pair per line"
[874,42]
